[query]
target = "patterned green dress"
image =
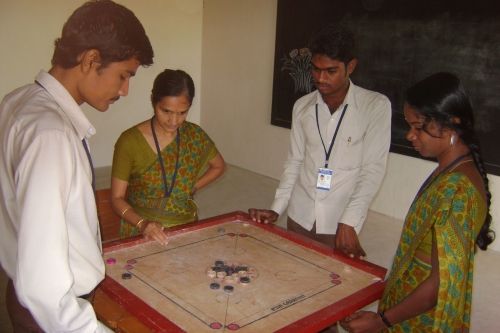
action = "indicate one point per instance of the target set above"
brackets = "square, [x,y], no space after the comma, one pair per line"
[451,211]
[136,163]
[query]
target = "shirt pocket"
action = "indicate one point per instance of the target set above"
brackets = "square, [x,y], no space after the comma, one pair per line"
[349,152]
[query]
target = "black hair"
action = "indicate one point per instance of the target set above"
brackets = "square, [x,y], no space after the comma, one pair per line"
[172,82]
[441,98]
[106,26]
[335,41]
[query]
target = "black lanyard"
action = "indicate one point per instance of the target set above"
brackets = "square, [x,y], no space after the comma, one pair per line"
[168,191]
[327,153]
[90,162]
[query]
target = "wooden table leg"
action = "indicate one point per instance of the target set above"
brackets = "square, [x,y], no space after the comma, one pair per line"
[115,316]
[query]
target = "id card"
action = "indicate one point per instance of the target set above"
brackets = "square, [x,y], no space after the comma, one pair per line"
[324,179]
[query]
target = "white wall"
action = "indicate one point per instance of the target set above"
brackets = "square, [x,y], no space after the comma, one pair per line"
[28,29]
[237,77]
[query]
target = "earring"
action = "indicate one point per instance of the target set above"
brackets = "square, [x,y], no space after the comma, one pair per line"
[452,140]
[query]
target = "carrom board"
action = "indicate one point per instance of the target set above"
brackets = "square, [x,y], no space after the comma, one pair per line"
[280,281]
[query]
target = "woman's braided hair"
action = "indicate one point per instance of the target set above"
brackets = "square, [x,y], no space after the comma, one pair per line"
[442,98]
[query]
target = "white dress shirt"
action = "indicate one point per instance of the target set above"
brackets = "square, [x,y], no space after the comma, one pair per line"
[50,244]
[358,160]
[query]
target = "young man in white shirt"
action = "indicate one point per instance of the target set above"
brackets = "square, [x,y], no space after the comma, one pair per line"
[339,143]
[50,245]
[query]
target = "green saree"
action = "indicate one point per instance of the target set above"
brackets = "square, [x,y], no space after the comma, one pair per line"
[451,211]
[136,163]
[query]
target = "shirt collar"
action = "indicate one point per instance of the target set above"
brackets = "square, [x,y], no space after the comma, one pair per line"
[67,103]
[347,100]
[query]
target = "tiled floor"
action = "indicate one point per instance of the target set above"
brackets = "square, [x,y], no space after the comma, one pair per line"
[239,189]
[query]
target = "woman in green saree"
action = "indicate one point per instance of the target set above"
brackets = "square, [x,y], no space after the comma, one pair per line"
[160,163]
[429,288]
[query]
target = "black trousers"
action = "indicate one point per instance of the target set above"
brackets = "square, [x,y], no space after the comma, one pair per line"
[322,238]
[20,317]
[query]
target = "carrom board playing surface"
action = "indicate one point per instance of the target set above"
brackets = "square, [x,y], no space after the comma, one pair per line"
[266,279]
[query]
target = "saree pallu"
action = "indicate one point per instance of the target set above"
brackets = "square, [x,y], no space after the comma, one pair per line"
[416,272]
[452,211]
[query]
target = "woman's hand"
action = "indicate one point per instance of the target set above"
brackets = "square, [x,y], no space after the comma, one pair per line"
[154,231]
[363,322]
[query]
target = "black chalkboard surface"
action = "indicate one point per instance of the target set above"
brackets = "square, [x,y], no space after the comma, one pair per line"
[399,42]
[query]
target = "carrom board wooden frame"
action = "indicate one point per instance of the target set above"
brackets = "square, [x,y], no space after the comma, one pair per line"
[308,307]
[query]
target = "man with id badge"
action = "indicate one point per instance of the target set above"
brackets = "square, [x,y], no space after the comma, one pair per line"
[339,143]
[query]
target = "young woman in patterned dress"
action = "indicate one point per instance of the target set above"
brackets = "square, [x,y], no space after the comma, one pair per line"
[430,285]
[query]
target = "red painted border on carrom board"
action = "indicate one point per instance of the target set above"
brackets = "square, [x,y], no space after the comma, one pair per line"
[311,323]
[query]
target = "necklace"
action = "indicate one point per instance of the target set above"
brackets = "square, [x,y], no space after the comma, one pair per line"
[458,164]
[450,167]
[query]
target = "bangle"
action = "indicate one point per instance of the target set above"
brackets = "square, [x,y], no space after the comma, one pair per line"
[138,224]
[124,211]
[143,227]
[386,321]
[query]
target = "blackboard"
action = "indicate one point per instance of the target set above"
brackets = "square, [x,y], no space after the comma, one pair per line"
[398,43]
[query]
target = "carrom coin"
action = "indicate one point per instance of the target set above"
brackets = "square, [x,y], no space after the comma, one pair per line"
[228,289]
[245,280]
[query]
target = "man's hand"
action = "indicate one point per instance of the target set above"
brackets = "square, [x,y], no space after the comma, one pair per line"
[263,215]
[346,240]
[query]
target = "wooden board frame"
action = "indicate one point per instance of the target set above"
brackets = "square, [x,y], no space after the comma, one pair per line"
[318,320]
